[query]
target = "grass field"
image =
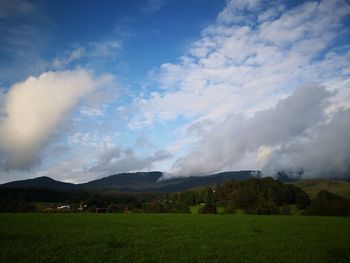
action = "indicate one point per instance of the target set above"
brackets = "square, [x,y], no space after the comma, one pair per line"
[172,238]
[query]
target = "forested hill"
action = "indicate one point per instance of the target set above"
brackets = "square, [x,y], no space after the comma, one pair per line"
[40,182]
[135,182]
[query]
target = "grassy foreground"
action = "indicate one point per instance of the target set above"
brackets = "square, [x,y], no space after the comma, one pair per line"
[172,238]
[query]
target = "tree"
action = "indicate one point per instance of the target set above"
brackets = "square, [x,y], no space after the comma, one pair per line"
[154,207]
[209,200]
[302,199]
[285,210]
[328,204]
[230,208]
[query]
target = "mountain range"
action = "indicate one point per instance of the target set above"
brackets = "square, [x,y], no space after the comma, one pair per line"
[134,182]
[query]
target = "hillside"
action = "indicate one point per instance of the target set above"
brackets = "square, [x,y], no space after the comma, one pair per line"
[134,182]
[40,182]
[313,186]
[125,181]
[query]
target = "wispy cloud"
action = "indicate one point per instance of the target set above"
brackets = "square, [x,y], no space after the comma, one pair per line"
[102,50]
[152,6]
[10,8]
[118,160]
[25,32]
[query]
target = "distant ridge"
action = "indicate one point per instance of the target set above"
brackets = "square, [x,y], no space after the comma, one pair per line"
[125,181]
[41,182]
[134,182]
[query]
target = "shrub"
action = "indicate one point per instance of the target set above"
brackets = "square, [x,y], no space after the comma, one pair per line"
[285,210]
[230,209]
[208,209]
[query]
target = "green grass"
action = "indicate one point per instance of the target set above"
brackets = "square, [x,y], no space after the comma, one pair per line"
[195,209]
[172,238]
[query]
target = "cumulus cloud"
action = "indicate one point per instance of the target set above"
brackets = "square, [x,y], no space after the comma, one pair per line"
[33,110]
[244,66]
[237,88]
[296,134]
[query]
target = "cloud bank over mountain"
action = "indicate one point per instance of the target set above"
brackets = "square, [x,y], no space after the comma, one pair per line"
[297,134]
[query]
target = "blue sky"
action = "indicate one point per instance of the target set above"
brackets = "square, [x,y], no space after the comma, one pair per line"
[186,87]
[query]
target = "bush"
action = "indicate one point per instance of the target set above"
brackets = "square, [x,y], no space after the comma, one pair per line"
[208,209]
[230,209]
[285,210]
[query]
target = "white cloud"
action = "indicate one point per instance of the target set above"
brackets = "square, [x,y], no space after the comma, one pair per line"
[309,20]
[236,11]
[242,67]
[72,56]
[296,134]
[33,111]
[92,111]
[92,140]
[255,55]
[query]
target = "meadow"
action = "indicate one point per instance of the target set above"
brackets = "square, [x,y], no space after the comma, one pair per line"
[172,238]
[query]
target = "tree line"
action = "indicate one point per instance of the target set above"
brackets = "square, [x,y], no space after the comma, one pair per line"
[265,196]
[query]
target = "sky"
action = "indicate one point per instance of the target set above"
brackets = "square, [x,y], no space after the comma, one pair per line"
[89,89]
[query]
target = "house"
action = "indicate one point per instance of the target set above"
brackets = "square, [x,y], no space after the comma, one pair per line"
[63,207]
